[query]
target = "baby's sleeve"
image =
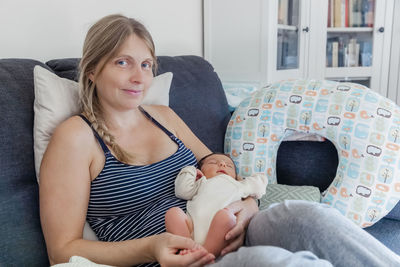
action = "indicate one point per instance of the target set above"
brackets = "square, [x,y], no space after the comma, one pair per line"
[255,185]
[186,185]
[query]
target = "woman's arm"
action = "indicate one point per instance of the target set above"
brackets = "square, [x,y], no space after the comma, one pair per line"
[64,194]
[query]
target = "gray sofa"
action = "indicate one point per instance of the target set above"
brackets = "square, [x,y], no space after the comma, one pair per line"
[196,95]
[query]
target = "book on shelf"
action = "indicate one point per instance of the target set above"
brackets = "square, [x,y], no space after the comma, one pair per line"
[342,52]
[328,54]
[353,51]
[337,13]
[335,54]
[366,54]
[345,15]
[330,13]
[293,12]
[338,51]
[356,13]
[367,13]
[283,7]
[288,12]
[351,13]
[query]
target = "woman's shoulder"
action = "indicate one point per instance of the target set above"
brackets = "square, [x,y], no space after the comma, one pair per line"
[159,110]
[163,114]
[73,130]
[71,145]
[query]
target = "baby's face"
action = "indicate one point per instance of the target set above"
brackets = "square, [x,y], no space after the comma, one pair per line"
[218,164]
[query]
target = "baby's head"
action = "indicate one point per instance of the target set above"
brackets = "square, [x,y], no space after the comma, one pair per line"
[217,163]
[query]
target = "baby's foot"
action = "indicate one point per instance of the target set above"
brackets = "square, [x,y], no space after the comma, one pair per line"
[187,251]
[184,251]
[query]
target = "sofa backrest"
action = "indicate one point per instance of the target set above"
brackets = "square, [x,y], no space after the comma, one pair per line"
[21,239]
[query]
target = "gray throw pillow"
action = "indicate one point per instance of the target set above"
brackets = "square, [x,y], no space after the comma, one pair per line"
[277,193]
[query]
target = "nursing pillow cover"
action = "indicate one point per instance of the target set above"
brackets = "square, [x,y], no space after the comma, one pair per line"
[363,126]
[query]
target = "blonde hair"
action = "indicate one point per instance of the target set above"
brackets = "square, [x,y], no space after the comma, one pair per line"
[102,42]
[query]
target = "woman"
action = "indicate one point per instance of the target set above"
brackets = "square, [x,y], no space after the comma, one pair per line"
[115,166]
[116,71]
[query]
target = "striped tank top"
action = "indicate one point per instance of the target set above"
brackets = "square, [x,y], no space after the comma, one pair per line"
[130,201]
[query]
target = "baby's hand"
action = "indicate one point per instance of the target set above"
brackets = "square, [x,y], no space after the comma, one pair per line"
[199,174]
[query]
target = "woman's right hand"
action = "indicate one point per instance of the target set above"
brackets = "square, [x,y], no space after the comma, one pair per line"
[167,245]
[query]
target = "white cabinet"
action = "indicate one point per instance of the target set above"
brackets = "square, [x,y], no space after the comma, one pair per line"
[362,36]
[261,41]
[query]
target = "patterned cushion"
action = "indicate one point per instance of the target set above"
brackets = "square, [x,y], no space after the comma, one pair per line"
[277,193]
[363,126]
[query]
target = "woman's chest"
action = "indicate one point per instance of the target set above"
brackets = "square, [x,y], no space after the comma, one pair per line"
[147,146]
[124,189]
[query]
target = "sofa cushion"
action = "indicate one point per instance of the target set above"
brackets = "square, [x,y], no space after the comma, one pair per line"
[192,101]
[65,67]
[394,214]
[387,231]
[22,239]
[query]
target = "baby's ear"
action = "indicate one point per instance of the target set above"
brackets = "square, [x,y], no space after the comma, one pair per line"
[199,174]
[239,178]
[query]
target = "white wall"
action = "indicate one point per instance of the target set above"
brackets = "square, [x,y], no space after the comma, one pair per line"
[49,29]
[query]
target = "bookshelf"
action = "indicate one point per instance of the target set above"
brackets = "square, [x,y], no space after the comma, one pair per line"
[351,13]
[350,40]
[258,41]
[288,35]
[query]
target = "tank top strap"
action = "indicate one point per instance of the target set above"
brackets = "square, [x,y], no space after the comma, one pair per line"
[101,142]
[165,130]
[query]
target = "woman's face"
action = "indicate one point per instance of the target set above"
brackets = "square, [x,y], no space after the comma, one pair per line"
[218,164]
[126,77]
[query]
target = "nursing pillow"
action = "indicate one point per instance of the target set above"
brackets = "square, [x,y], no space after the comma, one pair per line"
[363,126]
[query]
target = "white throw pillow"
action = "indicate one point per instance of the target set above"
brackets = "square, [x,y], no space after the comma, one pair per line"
[56,99]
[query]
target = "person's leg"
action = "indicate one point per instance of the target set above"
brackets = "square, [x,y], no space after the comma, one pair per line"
[178,223]
[321,229]
[222,222]
[266,256]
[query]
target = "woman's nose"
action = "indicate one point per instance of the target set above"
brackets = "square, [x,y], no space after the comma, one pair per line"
[136,75]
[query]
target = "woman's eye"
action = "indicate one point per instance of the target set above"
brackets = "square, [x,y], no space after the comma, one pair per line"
[122,62]
[146,65]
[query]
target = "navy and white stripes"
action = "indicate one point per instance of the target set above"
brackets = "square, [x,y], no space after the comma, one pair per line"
[128,202]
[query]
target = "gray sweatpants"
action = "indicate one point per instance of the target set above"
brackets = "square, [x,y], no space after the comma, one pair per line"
[301,233]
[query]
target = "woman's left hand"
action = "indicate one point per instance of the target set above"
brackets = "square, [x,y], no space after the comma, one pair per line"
[244,210]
